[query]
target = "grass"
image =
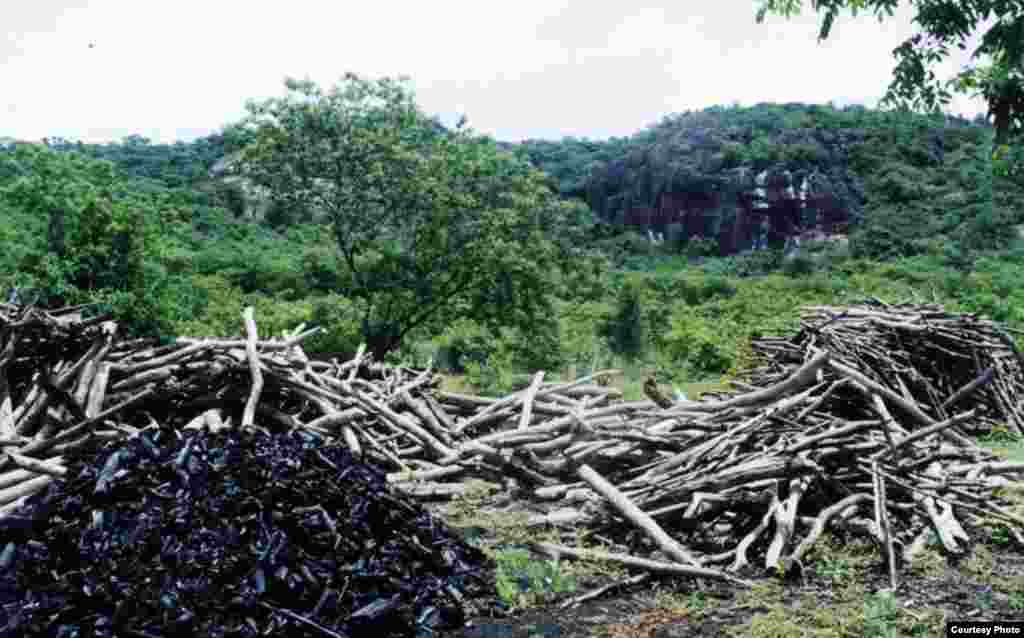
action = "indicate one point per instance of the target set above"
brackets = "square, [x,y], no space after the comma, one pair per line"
[456,383]
[1010,446]
[845,608]
[1005,443]
[929,562]
[668,607]
[523,580]
[836,569]
[1017,600]
[851,611]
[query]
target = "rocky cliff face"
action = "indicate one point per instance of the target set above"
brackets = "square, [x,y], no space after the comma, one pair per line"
[708,190]
[744,210]
[768,174]
[256,203]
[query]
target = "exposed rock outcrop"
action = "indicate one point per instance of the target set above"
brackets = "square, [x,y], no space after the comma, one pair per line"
[742,206]
[256,200]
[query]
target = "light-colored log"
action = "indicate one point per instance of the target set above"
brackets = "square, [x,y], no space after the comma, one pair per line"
[557,551]
[635,515]
[249,414]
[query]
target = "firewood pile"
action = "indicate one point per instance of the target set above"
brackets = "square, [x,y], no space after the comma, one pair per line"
[937,360]
[859,423]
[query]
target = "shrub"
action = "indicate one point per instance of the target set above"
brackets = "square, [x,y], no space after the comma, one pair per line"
[624,328]
[579,330]
[463,342]
[321,270]
[494,375]
[698,247]
[699,345]
[798,265]
[339,318]
[218,311]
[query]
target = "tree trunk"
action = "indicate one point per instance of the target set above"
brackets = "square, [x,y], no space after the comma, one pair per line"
[381,338]
[55,232]
[999,109]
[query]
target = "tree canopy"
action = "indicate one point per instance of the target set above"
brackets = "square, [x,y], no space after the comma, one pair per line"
[430,224]
[998,76]
[94,237]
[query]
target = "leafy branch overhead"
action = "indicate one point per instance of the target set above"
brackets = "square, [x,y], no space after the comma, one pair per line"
[943,24]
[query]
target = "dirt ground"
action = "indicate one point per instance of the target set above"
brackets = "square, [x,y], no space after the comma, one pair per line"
[839,592]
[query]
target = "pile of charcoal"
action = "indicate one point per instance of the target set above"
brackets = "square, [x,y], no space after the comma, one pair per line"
[230,533]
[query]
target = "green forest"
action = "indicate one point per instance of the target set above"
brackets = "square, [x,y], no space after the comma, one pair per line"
[350,208]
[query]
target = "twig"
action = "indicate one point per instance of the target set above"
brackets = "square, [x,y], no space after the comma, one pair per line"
[302,619]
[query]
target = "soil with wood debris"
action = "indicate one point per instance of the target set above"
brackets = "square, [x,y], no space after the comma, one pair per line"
[858,425]
[926,599]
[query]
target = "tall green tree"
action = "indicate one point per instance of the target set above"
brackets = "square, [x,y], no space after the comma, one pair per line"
[944,24]
[1002,86]
[93,239]
[430,224]
[624,328]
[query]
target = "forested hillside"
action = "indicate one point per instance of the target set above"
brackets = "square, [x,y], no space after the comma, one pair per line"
[453,247]
[755,177]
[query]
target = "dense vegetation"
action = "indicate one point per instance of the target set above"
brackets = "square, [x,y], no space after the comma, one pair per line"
[994,28]
[899,180]
[352,209]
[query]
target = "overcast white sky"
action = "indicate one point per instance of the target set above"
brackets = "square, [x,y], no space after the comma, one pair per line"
[531,68]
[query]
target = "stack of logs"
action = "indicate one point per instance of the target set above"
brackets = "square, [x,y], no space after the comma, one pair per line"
[858,422]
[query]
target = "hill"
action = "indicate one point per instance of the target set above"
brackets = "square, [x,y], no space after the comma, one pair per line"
[766,176]
[772,173]
[162,237]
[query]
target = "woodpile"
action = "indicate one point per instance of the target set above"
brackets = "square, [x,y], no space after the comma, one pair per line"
[859,423]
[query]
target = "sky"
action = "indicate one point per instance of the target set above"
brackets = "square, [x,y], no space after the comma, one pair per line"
[527,69]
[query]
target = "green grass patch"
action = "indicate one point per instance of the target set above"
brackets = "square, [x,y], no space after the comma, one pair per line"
[1005,443]
[852,613]
[523,580]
